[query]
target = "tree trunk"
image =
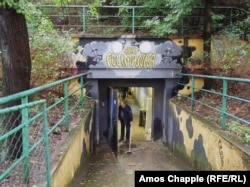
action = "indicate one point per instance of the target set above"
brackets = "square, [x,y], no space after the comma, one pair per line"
[207,33]
[16,68]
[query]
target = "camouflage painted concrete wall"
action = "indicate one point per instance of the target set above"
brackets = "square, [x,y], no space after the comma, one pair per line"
[75,150]
[202,144]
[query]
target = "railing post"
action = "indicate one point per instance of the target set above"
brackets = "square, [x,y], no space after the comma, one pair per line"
[66,105]
[84,19]
[185,44]
[192,95]
[25,141]
[46,143]
[231,17]
[82,96]
[182,27]
[224,104]
[133,19]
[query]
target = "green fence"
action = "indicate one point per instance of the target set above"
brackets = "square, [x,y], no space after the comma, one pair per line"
[31,130]
[227,103]
[132,19]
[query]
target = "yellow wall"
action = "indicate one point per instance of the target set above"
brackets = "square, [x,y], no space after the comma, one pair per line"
[219,150]
[70,157]
[198,44]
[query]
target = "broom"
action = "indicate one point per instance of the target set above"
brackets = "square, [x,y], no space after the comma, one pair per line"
[129,152]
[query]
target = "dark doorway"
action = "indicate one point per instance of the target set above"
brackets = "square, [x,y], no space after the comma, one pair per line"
[112,120]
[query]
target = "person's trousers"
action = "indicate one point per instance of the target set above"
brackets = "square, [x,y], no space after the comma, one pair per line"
[122,130]
[123,126]
[127,132]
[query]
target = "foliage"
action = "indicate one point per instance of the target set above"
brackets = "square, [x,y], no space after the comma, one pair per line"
[240,130]
[216,20]
[19,6]
[49,50]
[230,51]
[161,24]
[93,8]
[241,29]
[171,15]
[152,8]
[176,11]
[127,2]
[62,2]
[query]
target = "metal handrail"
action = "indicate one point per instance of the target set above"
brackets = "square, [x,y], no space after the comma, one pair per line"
[79,17]
[224,94]
[31,118]
[24,127]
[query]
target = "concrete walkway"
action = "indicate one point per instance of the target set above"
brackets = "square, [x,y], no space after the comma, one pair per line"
[106,170]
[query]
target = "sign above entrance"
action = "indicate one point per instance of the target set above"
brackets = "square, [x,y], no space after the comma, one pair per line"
[131,52]
[131,57]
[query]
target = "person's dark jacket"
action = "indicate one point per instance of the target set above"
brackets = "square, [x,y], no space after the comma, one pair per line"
[125,114]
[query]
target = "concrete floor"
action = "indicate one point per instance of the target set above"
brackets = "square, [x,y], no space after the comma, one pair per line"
[106,170]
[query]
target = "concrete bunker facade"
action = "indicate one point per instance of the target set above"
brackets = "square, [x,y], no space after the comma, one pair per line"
[131,61]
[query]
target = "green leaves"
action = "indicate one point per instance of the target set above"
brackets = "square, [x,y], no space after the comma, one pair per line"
[177,10]
[20,6]
[62,2]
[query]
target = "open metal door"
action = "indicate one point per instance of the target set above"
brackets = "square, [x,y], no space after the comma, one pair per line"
[113,116]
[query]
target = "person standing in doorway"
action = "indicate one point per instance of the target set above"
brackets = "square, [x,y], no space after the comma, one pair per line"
[125,116]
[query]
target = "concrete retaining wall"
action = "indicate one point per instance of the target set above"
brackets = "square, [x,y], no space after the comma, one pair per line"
[75,151]
[204,145]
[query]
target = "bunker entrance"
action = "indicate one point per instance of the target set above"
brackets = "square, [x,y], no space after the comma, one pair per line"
[140,101]
[139,63]
[145,102]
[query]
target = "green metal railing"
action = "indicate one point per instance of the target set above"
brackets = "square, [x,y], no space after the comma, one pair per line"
[35,131]
[24,127]
[225,98]
[131,19]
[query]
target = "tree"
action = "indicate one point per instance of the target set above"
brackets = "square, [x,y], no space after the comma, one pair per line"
[16,63]
[15,16]
[14,44]
[207,31]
